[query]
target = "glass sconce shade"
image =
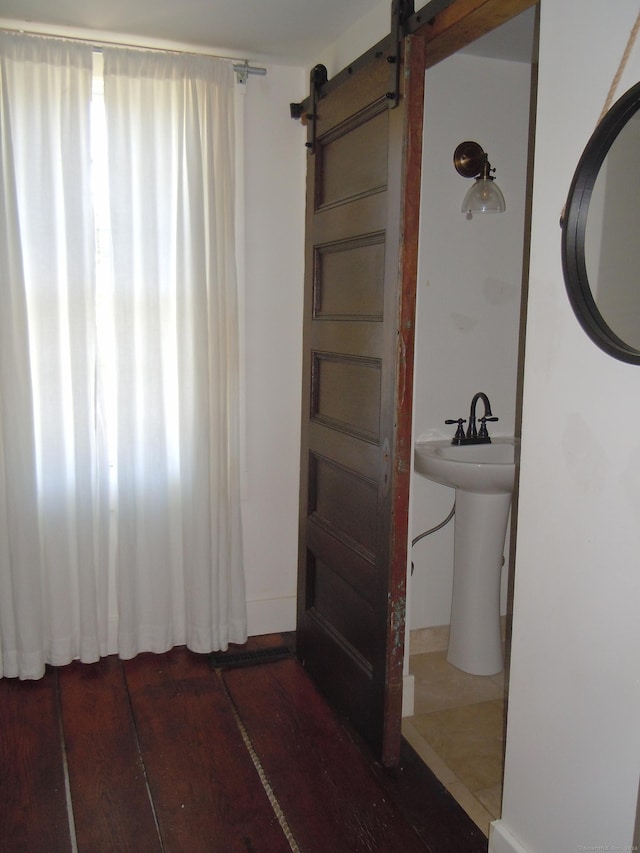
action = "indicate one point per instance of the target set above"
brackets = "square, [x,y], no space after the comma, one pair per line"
[485,196]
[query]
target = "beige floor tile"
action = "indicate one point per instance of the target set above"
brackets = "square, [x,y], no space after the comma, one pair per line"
[469,740]
[458,731]
[499,680]
[491,799]
[426,752]
[438,685]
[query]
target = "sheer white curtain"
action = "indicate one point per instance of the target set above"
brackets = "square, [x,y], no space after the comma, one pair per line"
[119,472]
[170,135]
[50,513]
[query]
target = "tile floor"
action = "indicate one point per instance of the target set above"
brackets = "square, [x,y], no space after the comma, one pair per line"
[458,731]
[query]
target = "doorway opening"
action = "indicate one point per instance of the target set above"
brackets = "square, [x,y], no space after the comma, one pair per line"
[471,303]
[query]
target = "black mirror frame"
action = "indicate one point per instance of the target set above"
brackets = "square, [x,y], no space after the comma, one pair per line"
[574,224]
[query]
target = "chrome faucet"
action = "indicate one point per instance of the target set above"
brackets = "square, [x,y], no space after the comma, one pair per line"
[473,435]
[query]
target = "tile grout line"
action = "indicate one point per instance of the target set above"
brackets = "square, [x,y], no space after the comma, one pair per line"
[273,800]
[65,768]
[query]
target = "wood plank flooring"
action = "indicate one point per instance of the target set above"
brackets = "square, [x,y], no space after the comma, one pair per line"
[162,753]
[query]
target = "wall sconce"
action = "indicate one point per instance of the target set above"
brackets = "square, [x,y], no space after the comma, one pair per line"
[485,195]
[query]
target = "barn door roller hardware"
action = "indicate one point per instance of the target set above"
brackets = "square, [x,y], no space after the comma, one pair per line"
[401,12]
[317,78]
[403,22]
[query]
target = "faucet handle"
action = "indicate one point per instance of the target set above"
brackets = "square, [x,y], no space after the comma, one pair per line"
[459,432]
[483,426]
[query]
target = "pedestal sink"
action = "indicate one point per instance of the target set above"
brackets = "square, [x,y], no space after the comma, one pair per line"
[483,476]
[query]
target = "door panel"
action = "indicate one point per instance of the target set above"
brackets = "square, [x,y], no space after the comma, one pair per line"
[343,174]
[363,177]
[360,261]
[345,393]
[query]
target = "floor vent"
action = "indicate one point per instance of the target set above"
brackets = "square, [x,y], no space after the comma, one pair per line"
[253,657]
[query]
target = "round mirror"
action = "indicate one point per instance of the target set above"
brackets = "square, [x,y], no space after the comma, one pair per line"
[600,233]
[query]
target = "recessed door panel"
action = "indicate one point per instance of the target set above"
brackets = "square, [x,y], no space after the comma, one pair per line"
[346,393]
[353,157]
[341,606]
[349,279]
[344,502]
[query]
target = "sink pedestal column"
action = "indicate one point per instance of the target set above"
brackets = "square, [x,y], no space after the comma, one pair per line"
[475,642]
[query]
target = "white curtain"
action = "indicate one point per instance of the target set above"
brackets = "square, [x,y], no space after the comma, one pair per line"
[119,471]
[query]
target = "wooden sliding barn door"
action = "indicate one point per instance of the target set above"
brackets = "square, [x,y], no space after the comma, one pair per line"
[363,190]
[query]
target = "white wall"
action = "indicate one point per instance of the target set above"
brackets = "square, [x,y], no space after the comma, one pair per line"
[355,41]
[573,736]
[275,157]
[469,289]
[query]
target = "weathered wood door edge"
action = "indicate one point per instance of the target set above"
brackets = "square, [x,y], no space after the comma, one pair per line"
[413,95]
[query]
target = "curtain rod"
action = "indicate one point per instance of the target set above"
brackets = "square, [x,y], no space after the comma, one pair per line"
[241,67]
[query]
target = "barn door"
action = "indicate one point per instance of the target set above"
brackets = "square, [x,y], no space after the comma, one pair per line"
[363,189]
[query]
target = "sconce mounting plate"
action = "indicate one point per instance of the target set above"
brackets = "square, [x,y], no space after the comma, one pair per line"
[468,158]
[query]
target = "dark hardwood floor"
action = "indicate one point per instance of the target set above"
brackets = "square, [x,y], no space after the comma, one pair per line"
[164,753]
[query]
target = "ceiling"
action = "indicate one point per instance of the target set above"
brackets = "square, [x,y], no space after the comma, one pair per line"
[513,40]
[291,31]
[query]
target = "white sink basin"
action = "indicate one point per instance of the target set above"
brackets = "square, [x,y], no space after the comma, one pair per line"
[483,468]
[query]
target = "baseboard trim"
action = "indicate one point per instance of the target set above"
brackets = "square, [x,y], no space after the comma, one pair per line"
[271,615]
[501,840]
[425,640]
[436,638]
[408,695]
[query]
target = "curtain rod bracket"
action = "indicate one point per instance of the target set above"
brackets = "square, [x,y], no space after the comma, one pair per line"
[244,69]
